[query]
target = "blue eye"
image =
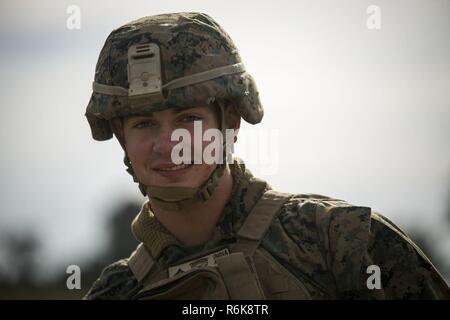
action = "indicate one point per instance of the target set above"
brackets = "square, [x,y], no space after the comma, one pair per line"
[143,124]
[191,118]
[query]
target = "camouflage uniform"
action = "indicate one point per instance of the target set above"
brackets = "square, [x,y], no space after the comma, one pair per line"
[314,246]
[326,243]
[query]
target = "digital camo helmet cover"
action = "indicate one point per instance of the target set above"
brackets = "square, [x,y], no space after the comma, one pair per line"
[168,61]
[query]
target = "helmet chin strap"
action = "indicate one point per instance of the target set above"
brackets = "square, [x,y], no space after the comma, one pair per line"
[181,198]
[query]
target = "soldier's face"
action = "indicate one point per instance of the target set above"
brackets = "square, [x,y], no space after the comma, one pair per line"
[149,146]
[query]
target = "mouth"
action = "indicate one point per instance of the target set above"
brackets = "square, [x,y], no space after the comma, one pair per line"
[172,172]
[173,168]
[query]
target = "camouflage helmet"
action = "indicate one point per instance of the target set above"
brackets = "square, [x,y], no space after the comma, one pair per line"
[168,61]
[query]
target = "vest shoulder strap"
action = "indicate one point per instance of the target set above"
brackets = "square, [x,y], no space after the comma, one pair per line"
[141,262]
[258,221]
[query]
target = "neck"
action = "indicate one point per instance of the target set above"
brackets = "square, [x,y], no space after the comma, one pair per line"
[195,225]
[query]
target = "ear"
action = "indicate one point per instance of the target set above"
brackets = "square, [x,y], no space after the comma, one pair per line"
[117,125]
[232,117]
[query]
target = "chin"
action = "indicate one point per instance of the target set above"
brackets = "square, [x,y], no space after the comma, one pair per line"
[192,177]
[186,181]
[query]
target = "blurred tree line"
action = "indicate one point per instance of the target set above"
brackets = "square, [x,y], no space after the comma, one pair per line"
[18,279]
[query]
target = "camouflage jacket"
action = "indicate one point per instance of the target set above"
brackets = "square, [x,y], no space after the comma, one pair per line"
[318,239]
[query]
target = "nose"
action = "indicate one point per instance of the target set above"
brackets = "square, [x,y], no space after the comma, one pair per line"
[163,144]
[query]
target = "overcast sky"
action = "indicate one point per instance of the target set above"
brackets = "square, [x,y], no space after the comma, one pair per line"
[362,115]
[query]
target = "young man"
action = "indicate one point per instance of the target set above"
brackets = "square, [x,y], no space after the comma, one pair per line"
[212,230]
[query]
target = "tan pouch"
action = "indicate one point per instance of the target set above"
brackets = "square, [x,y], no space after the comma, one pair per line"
[204,283]
[240,277]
